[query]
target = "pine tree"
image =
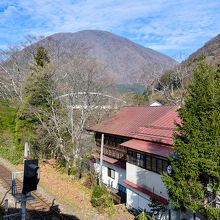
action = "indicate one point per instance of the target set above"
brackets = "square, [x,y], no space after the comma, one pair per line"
[195,179]
[41,57]
[37,96]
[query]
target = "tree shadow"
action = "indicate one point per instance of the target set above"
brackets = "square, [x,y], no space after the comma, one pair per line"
[37,214]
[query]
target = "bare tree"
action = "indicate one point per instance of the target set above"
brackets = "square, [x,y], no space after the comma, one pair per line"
[63,131]
[173,89]
[72,104]
[170,85]
[84,80]
[14,63]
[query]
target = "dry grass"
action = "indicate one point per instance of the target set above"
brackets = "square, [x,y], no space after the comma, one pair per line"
[72,192]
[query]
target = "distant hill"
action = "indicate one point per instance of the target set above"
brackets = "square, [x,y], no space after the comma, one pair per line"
[126,61]
[211,50]
[185,69]
[124,58]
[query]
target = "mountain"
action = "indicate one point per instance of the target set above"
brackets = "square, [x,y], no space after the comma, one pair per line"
[211,50]
[184,72]
[127,61]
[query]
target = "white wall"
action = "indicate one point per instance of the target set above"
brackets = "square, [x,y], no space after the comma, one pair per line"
[137,199]
[146,179]
[155,104]
[120,174]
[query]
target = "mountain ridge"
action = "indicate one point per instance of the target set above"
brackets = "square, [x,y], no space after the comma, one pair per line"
[211,50]
[126,60]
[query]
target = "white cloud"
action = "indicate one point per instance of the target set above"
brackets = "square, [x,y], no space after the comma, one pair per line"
[159,24]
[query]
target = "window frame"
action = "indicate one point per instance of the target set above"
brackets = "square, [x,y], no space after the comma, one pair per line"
[110,172]
[150,162]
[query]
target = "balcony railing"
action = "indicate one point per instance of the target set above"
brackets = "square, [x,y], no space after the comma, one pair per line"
[112,149]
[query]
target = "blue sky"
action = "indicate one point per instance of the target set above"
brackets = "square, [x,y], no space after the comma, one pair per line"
[172,27]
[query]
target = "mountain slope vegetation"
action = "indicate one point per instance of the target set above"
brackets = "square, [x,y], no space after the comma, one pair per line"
[126,61]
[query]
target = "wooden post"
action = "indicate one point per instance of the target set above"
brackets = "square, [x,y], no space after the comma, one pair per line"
[101,159]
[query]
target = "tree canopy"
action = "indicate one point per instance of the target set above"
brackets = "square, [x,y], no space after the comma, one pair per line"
[37,94]
[195,179]
[41,57]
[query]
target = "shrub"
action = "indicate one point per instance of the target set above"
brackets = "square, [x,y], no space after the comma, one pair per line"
[101,198]
[7,150]
[142,216]
[97,194]
[73,171]
[14,156]
[7,134]
[7,117]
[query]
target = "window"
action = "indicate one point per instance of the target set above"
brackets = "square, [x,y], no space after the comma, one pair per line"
[154,164]
[136,158]
[130,156]
[111,173]
[165,165]
[140,160]
[159,166]
[148,162]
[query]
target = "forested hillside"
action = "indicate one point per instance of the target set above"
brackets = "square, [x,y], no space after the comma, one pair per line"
[211,50]
[171,86]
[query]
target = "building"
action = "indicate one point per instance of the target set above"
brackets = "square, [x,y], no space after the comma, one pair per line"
[155,103]
[137,141]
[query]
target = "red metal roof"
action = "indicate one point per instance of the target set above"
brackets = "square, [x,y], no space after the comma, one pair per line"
[148,147]
[145,191]
[111,160]
[153,123]
[157,134]
[166,122]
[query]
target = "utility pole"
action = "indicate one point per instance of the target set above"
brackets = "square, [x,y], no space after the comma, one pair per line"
[101,160]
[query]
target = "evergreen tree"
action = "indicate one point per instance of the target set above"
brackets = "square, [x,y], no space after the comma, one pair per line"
[195,179]
[41,57]
[141,99]
[36,90]
[37,96]
[157,207]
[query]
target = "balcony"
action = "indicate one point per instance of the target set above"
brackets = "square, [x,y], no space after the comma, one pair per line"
[112,149]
